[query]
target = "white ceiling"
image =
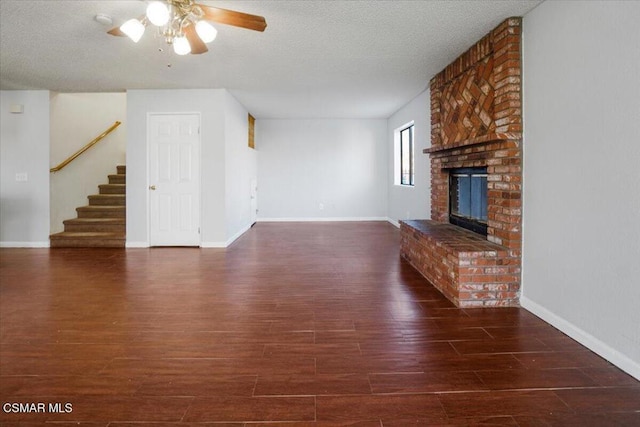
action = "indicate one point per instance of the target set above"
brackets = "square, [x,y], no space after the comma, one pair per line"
[316,59]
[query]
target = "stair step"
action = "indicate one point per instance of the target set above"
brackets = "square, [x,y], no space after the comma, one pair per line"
[101,212]
[118,179]
[122,169]
[68,239]
[107,200]
[111,225]
[112,188]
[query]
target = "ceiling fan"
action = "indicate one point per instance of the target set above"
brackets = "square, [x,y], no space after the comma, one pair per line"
[184,24]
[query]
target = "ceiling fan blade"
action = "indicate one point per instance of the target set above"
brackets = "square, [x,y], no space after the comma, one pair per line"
[116,31]
[197,45]
[232,17]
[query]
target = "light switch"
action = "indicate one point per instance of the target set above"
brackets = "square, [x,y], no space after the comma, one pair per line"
[16,109]
[21,177]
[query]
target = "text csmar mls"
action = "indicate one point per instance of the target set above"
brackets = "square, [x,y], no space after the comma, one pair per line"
[36,407]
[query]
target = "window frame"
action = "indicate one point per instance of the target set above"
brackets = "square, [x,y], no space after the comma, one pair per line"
[411,146]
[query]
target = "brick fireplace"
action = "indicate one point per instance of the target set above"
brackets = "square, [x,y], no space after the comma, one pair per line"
[476,122]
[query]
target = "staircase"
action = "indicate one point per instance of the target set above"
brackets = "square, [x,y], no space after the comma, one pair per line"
[102,223]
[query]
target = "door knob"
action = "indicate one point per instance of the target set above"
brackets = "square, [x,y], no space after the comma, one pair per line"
[152,187]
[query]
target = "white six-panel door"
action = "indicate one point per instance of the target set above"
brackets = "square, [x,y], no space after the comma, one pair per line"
[174,179]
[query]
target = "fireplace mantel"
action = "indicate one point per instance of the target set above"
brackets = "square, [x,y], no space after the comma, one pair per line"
[486,139]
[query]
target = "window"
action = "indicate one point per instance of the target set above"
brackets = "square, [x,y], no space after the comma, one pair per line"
[252,125]
[468,199]
[406,155]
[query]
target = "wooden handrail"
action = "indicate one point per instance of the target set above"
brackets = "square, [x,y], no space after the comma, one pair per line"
[86,147]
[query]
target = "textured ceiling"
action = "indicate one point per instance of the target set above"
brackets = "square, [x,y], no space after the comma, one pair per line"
[316,59]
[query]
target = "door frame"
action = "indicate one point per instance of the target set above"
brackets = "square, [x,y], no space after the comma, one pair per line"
[148,162]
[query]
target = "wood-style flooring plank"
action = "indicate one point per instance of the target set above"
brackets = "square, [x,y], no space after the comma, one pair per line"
[432,382]
[312,385]
[259,408]
[520,379]
[372,407]
[483,404]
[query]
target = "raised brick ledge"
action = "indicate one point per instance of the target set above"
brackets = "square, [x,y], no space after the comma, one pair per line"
[468,269]
[464,242]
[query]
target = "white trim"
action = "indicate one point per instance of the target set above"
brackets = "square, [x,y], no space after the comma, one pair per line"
[136,245]
[594,344]
[324,219]
[213,244]
[24,244]
[229,241]
[394,222]
[238,234]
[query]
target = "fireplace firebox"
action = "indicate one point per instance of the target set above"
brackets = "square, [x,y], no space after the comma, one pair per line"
[468,199]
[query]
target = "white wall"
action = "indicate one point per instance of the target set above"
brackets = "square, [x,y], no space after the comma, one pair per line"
[411,202]
[76,119]
[240,168]
[24,149]
[210,103]
[339,164]
[581,269]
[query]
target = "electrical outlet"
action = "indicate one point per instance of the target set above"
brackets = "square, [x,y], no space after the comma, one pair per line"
[21,177]
[321,206]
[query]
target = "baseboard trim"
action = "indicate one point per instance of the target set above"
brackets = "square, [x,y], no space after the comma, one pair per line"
[213,244]
[238,234]
[324,219]
[24,244]
[136,245]
[228,242]
[602,349]
[394,222]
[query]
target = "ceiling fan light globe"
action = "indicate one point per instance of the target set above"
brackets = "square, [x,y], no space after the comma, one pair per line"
[133,29]
[181,45]
[206,31]
[158,13]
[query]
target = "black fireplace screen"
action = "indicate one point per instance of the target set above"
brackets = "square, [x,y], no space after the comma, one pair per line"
[468,199]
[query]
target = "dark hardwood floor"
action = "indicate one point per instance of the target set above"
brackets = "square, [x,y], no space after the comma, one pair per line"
[297,324]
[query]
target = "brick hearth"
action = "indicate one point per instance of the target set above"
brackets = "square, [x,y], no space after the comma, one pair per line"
[468,269]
